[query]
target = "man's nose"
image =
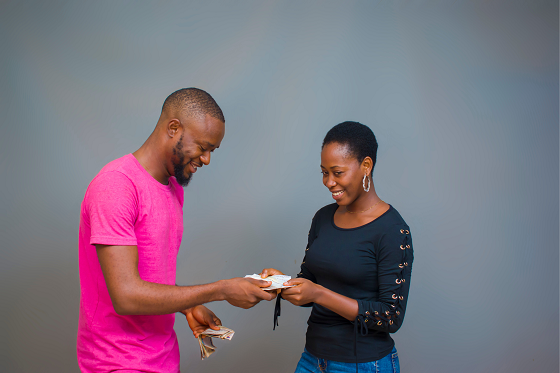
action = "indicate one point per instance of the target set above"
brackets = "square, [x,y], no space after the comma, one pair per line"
[205,158]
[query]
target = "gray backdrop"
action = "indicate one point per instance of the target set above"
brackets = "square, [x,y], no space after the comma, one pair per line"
[463,99]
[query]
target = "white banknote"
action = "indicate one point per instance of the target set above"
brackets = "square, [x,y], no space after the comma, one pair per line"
[277,281]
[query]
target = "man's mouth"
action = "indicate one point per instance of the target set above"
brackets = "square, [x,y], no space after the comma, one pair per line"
[194,166]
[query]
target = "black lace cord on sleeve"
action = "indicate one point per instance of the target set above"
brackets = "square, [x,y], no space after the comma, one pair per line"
[361,322]
[277,311]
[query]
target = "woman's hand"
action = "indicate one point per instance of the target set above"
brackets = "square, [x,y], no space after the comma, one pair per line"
[303,292]
[201,318]
[269,272]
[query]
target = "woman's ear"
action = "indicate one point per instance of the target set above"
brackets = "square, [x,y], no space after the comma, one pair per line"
[366,166]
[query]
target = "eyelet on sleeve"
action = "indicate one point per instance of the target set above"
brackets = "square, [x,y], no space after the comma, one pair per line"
[401,266]
[394,296]
[379,322]
[403,247]
[398,281]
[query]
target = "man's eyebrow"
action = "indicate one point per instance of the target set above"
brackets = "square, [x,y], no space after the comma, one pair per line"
[209,144]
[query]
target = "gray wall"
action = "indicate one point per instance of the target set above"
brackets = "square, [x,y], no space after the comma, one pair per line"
[463,99]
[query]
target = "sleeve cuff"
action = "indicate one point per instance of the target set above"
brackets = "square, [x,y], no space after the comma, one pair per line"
[112,241]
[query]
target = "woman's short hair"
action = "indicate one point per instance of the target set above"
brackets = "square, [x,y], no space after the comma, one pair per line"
[359,139]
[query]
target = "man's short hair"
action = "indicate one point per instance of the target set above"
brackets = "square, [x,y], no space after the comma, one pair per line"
[193,102]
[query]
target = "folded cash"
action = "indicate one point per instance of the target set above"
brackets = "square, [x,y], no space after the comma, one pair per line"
[207,348]
[277,281]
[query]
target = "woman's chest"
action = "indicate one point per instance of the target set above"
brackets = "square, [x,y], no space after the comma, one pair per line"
[343,257]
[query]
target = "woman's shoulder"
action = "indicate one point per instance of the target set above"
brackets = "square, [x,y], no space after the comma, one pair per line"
[392,221]
[327,210]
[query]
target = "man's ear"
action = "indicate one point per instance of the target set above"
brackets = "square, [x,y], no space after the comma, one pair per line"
[173,127]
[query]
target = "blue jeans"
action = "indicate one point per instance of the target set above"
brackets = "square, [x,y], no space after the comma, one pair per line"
[311,364]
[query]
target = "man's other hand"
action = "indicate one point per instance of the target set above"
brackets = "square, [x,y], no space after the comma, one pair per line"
[201,318]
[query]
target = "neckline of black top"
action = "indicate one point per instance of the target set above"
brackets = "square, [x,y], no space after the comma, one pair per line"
[361,226]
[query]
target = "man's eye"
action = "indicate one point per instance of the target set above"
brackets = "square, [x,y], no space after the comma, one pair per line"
[337,173]
[201,148]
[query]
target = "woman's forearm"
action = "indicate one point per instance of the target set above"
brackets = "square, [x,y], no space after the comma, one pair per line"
[340,304]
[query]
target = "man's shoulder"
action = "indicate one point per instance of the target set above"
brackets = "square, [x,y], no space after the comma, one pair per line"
[115,175]
[123,165]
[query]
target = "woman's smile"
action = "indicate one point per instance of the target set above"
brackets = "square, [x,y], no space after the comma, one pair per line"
[337,194]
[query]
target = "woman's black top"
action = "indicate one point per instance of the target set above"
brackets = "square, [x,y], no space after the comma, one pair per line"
[371,264]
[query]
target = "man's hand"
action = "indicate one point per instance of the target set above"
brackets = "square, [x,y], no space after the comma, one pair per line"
[304,292]
[201,318]
[269,272]
[246,292]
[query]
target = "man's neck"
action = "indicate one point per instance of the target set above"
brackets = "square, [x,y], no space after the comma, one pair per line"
[152,161]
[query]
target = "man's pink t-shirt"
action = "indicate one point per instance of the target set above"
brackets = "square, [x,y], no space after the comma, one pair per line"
[124,205]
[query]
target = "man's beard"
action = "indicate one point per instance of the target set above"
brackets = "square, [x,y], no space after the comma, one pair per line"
[179,167]
[180,174]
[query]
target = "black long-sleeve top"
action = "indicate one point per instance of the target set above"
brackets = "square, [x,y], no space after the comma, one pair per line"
[372,264]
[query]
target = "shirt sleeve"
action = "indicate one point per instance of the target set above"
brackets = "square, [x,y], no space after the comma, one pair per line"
[304,272]
[112,208]
[394,266]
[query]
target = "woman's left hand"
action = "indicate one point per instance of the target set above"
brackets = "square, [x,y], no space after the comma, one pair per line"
[303,292]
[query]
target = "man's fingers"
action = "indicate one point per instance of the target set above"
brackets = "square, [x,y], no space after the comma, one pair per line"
[260,283]
[264,273]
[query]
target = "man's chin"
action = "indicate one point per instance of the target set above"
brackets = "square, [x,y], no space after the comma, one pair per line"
[180,176]
[184,180]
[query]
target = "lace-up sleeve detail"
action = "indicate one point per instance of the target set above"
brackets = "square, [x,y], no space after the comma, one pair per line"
[394,265]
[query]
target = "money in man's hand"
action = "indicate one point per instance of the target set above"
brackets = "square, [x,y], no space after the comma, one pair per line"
[207,348]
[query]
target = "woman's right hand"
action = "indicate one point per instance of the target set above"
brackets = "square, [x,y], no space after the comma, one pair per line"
[269,272]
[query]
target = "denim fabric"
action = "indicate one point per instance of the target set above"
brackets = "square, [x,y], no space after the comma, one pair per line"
[311,364]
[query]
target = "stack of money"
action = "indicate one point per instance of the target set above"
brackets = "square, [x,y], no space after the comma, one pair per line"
[207,348]
[277,281]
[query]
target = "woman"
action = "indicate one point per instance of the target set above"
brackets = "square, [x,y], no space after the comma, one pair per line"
[357,264]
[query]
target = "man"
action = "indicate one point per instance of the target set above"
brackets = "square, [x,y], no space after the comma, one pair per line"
[131,225]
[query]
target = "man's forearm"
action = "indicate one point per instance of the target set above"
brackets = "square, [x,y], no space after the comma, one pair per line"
[148,298]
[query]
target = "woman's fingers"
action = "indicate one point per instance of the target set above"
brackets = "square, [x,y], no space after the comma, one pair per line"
[269,272]
[294,281]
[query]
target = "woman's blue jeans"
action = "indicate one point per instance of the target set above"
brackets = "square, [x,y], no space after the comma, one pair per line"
[311,364]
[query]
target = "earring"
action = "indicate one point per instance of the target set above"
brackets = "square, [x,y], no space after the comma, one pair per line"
[368,182]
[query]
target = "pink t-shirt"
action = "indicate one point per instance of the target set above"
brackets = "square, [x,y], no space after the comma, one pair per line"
[124,205]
